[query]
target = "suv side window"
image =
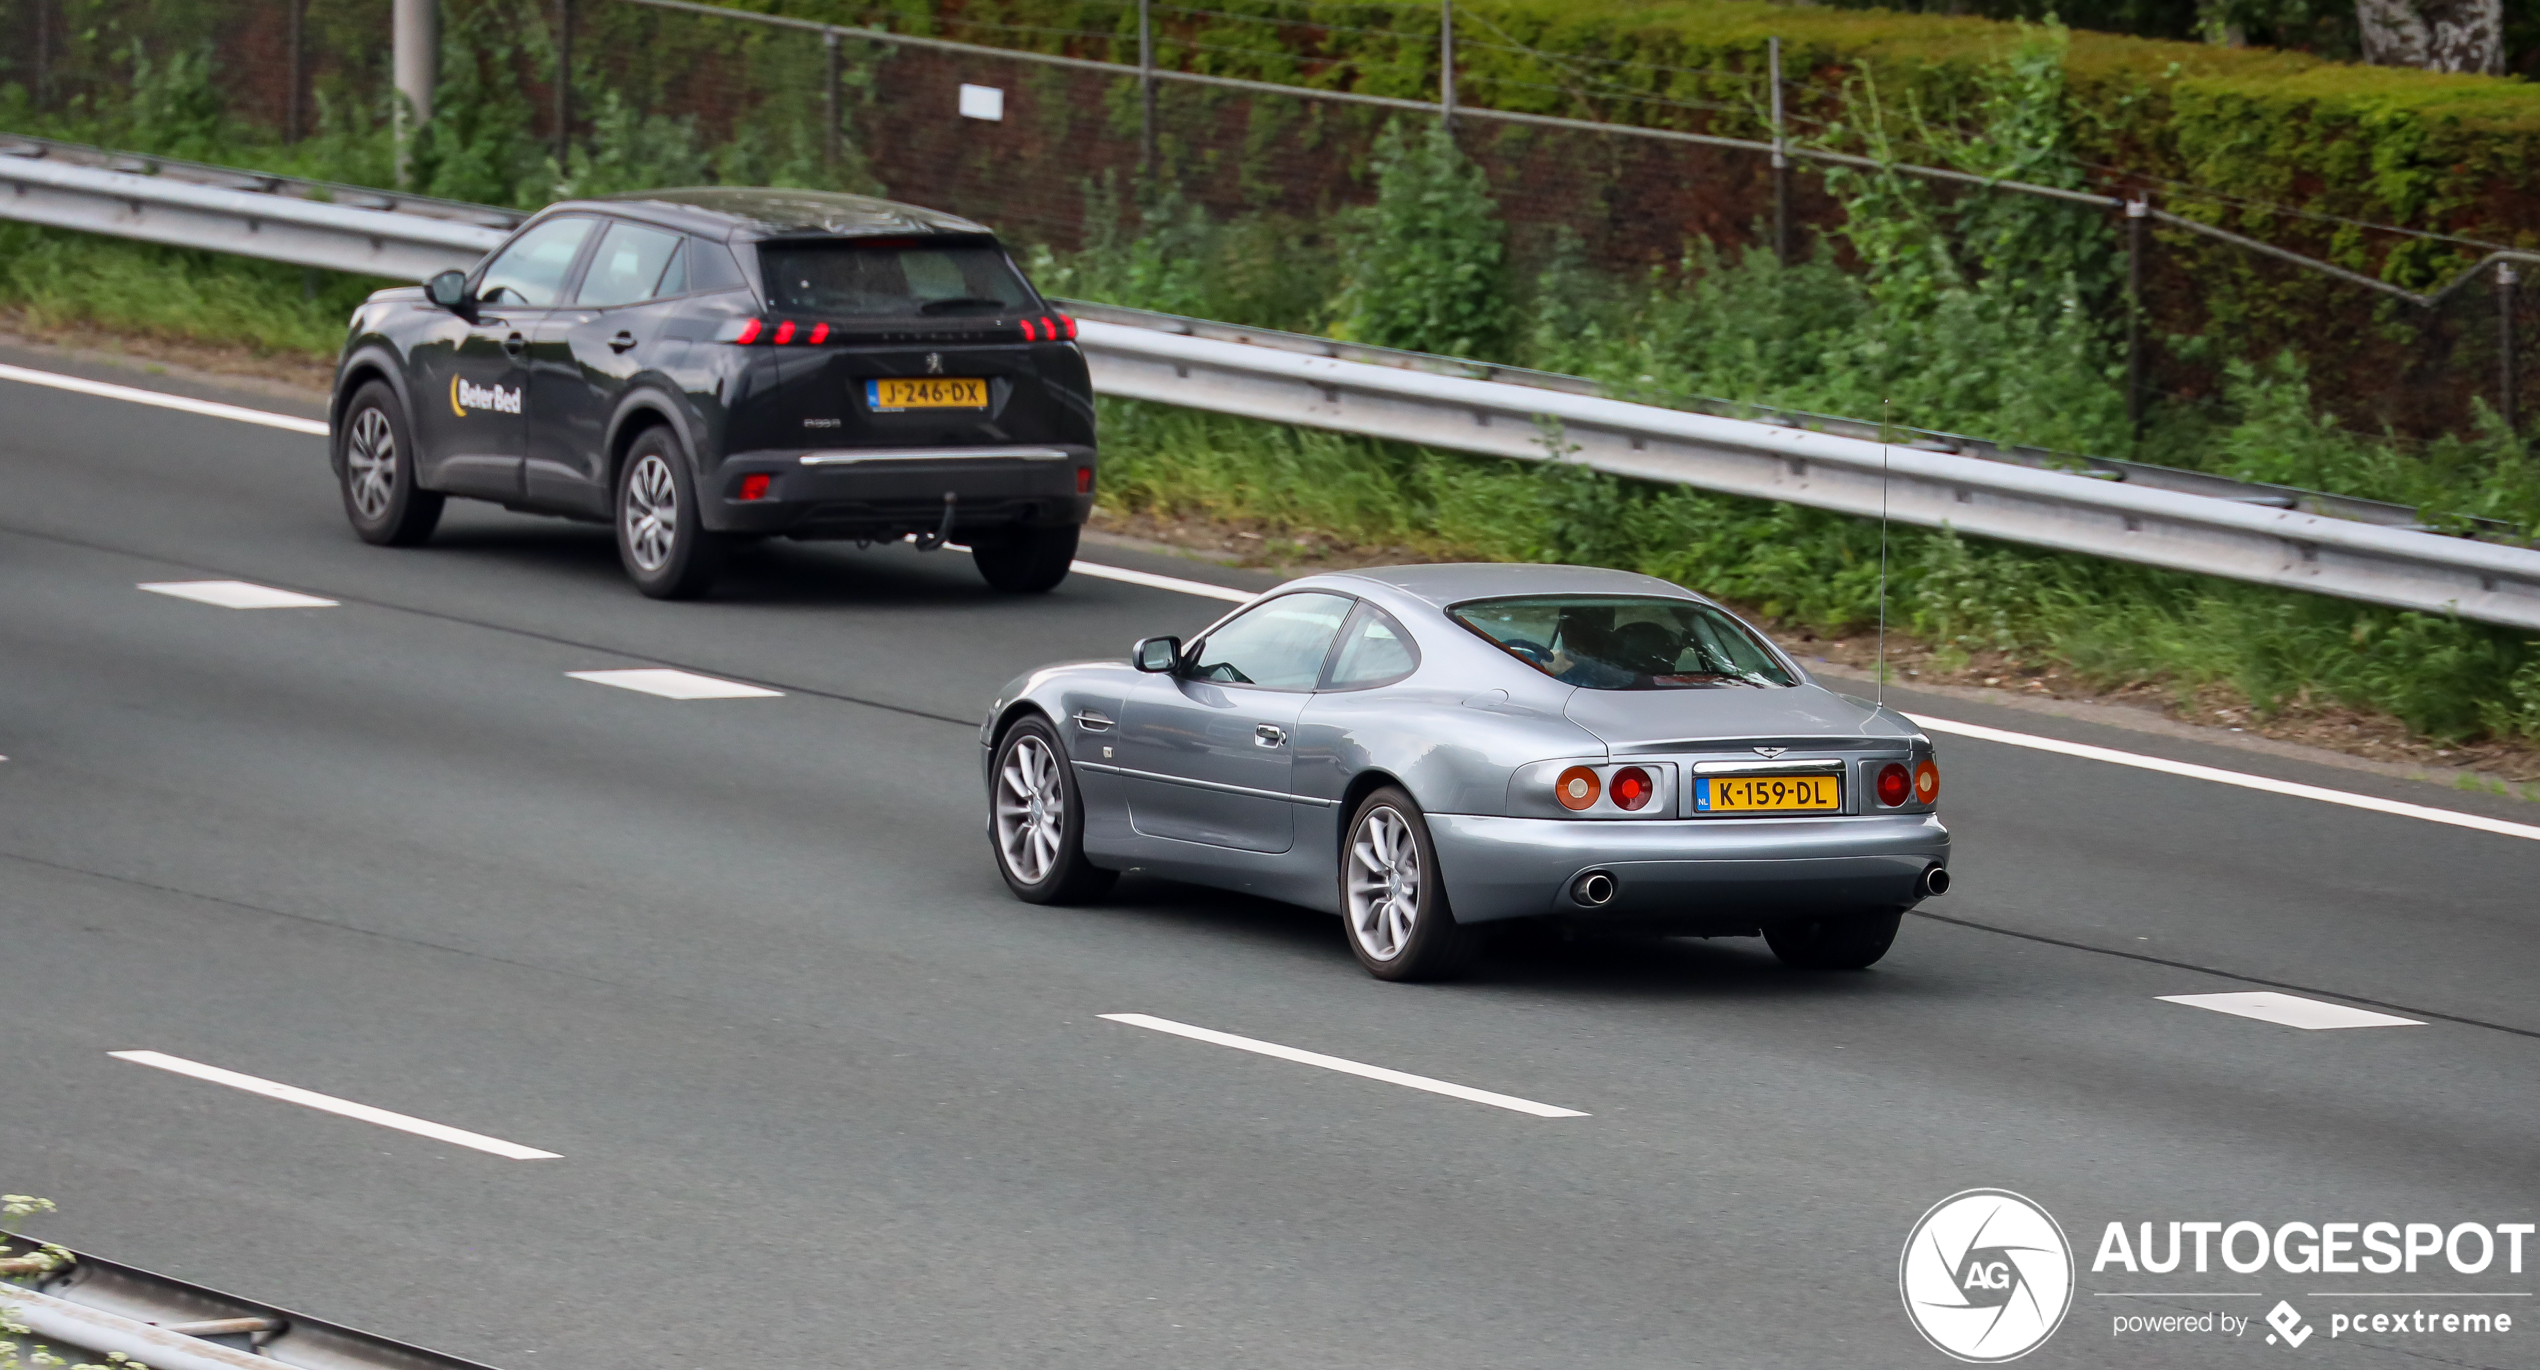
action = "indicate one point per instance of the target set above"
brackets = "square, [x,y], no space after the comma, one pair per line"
[628,267]
[710,266]
[532,270]
[1375,650]
[1279,643]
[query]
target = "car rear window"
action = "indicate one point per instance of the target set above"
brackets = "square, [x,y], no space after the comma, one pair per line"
[893,279]
[1625,642]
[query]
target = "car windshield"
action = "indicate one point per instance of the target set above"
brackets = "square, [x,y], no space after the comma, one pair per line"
[893,278]
[1625,642]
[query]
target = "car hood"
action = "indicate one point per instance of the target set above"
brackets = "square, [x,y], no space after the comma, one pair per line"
[1656,720]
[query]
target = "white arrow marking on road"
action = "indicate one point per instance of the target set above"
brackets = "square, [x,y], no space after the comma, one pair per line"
[2292,1010]
[210,409]
[670,684]
[234,594]
[328,1103]
[1314,1058]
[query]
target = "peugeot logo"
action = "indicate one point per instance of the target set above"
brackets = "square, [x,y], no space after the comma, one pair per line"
[1768,753]
[934,363]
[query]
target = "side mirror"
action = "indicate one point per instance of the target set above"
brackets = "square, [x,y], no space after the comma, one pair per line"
[1156,653]
[447,290]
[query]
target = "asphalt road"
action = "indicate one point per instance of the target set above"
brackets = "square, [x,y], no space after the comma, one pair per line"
[825,1095]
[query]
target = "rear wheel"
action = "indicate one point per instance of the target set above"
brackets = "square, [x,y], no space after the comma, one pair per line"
[1834,941]
[661,535]
[377,471]
[1036,817]
[1399,924]
[1025,561]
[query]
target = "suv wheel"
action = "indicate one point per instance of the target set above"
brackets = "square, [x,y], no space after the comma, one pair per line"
[1391,897]
[1025,561]
[661,536]
[375,465]
[1834,941]
[1036,818]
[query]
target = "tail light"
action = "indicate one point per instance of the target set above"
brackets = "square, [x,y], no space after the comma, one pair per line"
[1028,336]
[1631,788]
[1084,480]
[1895,786]
[1926,783]
[819,333]
[784,332]
[1067,327]
[742,331]
[754,486]
[1577,788]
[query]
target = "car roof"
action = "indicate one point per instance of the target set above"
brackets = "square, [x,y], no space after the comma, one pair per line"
[1454,582]
[770,212]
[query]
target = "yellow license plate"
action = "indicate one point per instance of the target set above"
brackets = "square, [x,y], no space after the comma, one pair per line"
[931,392]
[1767,794]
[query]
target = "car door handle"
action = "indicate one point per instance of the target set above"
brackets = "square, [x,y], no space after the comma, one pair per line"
[1092,722]
[515,344]
[621,342]
[1269,735]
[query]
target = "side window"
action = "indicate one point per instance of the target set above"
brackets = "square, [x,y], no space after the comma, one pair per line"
[628,265]
[532,270]
[674,277]
[1375,650]
[1279,643]
[710,266]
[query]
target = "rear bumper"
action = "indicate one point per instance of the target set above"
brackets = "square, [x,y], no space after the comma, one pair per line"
[1694,875]
[888,492]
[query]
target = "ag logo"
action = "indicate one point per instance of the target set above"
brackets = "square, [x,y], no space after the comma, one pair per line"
[1986,1276]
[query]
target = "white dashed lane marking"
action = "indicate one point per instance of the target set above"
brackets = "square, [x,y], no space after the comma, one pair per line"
[2291,1010]
[670,684]
[235,594]
[315,428]
[328,1103]
[1345,1067]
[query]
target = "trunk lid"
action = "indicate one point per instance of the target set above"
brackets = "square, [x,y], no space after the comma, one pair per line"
[1799,717]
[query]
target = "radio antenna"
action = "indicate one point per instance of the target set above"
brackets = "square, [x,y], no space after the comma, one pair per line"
[1878,688]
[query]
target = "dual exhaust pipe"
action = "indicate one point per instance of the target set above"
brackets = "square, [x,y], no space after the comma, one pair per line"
[1596,889]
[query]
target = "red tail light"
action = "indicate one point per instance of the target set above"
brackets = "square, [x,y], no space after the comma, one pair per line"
[819,333]
[1576,789]
[1631,789]
[1068,326]
[749,331]
[1926,783]
[1084,480]
[1027,331]
[755,486]
[1894,785]
[784,332]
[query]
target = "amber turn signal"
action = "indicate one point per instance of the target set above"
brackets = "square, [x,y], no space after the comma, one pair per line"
[1576,789]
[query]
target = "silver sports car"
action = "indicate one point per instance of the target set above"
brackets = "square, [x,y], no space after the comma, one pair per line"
[1427,749]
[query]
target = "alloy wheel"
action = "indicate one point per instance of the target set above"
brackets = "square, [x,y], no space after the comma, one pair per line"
[651,513]
[1031,810]
[370,464]
[1385,884]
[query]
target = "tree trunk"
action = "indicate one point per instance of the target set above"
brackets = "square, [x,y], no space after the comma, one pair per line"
[2438,35]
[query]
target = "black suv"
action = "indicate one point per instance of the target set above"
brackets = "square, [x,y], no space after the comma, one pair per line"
[703,366]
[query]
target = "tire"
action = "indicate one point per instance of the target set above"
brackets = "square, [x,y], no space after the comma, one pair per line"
[1036,820]
[375,469]
[1834,941]
[1393,905]
[661,535]
[1026,561]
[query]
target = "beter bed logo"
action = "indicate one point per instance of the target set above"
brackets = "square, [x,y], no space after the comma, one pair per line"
[464,397]
[1986,1276]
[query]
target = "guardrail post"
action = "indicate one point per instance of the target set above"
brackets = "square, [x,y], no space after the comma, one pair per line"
[829,101]
[415,58]
[1446,64]
[293,118]
[1146,100]
[564,87]
[2137,214]
[2506,280]
[1781,160]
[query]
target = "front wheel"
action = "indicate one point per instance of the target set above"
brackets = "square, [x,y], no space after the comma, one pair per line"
[377,471]
[1834,941]
[1391,898]
[1025,561]
[1036,816]
[661,534]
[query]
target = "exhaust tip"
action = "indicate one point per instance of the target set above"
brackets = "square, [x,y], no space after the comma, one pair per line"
[1936,880]
[1594,889]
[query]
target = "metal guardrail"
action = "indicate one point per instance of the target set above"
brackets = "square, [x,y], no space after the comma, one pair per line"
[2186,521]
[99,1307]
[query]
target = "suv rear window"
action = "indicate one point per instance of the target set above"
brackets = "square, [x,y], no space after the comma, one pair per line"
[893,279]
[1625,642]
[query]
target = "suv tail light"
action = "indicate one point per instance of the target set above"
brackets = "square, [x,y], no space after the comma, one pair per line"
[741,331]
[1067,326]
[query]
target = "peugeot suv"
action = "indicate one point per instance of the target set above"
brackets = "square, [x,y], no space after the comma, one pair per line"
[702,367]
